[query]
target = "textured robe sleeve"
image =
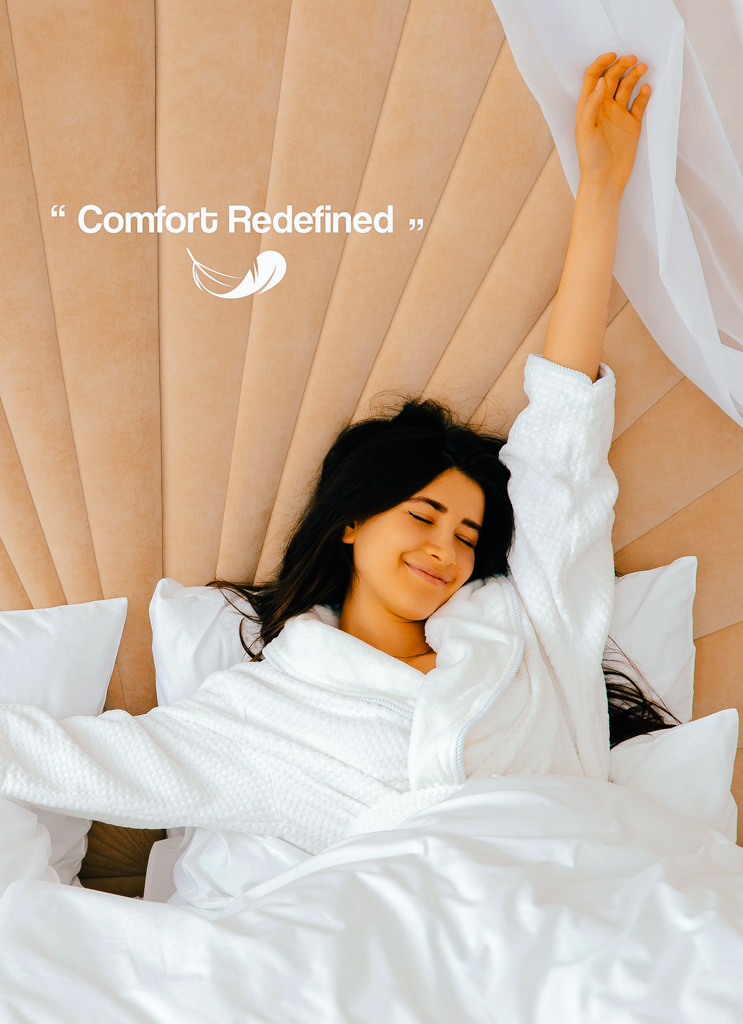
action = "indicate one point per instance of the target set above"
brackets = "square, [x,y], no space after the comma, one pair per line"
[563,493]
[197,762]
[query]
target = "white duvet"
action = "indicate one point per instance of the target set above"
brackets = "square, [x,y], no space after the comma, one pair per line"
[519,899]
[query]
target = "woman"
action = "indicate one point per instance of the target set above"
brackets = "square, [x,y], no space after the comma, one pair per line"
[388,670]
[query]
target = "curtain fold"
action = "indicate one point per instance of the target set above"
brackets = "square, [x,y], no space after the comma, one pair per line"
[680,249]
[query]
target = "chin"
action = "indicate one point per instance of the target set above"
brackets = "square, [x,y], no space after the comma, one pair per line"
[418,610]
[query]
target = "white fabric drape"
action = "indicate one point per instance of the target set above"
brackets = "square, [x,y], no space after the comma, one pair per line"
[680,251]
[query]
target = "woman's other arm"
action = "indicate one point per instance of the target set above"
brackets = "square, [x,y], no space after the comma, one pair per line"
[245,753]
[175,765]
[606,135]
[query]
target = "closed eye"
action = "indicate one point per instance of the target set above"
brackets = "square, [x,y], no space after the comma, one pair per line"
[465,540]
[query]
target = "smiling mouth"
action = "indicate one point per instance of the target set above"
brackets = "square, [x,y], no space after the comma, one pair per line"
[431,575]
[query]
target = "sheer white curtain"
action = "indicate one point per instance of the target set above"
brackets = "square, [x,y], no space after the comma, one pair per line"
[680,251]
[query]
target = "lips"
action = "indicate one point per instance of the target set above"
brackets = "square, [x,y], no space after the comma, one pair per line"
[433,576]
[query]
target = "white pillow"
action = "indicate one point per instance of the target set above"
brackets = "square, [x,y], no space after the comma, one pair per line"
[688,768]
[25,847]
[194,633]
[652,623]
[61,660]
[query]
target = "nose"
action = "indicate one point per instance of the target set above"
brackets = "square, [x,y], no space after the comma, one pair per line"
[441,547]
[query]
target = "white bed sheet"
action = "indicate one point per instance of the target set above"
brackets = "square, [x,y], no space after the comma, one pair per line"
[520,899]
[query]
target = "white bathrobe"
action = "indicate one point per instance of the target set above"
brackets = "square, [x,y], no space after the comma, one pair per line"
[328,737]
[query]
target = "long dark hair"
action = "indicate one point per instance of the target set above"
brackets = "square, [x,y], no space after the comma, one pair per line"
[372,467]
[634,708]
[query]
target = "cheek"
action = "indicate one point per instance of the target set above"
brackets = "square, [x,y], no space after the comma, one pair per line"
[467,563]
[376,549]
[380,548]
[383,540]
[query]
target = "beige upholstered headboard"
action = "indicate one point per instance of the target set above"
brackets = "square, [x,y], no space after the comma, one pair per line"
[149,428]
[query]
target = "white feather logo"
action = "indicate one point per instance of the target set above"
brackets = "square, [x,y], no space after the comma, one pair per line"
[268,269]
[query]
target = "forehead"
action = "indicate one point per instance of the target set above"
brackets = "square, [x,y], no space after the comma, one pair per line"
[458,493]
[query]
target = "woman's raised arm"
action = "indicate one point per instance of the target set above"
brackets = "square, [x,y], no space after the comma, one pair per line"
[606,134]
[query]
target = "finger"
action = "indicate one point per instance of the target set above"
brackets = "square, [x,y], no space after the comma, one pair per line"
[641,101]
[588,111]
[594,72]
[616,71]
[627,84]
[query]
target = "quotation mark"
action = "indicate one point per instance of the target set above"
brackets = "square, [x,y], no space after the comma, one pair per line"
[61,210]
[413,222]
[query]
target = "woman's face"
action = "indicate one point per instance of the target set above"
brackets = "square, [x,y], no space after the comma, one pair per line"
[412,558]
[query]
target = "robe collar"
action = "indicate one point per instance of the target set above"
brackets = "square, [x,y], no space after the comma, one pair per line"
[312,648]
[474,634]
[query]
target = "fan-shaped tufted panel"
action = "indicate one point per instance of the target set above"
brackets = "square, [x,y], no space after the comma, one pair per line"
[148,428]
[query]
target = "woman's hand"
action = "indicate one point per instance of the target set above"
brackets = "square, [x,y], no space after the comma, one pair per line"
[606,129]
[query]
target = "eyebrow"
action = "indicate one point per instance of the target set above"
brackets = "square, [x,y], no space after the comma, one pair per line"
[442,508]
